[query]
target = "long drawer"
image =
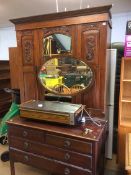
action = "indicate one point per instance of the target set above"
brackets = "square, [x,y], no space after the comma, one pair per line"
[53,166]
[50,139]
[69,144]
[69,157]
[27,133]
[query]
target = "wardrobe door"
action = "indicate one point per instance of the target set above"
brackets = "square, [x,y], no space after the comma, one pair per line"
[95,39]
[61,36]
[28,71]
[92,44]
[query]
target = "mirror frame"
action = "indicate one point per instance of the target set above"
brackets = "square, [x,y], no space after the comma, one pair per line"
[64,30]
[67,52]
[72,94]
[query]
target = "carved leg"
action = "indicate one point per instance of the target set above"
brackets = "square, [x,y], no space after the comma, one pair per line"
[12,168]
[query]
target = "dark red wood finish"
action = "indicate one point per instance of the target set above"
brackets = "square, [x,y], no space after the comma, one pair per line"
[90,33]
[57,149]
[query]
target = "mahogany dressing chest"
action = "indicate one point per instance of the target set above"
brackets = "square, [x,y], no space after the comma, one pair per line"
[61,150]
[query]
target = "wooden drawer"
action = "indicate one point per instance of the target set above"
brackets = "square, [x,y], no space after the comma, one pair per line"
[42,162]
[27,133]
[69,144]
[69,157]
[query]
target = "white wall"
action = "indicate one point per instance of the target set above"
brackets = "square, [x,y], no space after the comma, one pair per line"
[119,26]
[8,35]
[7,39]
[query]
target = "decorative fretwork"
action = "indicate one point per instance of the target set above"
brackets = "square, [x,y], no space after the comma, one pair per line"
[63,30]
[27,32]
[90,26]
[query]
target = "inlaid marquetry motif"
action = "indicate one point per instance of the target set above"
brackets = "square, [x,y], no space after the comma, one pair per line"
[90,43]
[91,46]
[27,51]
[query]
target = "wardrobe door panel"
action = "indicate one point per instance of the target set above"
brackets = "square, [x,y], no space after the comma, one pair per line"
[29,83]
[28,67]
[92,96]
[90,43]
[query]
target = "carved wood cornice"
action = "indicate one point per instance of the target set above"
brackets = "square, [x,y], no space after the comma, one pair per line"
[62,15]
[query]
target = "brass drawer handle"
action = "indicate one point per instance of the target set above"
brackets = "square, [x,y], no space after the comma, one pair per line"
[67,143]
[26,158]
[25,133]
[26,145]
[66,171]
[67,156]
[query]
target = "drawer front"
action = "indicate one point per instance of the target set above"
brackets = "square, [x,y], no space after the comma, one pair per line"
[69,144]
[27,133]
[53,152]
[42,162]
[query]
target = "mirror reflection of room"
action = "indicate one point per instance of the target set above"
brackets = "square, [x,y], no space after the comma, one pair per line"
[65,75]
[57,44]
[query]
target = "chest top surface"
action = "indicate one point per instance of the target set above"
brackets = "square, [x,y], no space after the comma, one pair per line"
[94,134]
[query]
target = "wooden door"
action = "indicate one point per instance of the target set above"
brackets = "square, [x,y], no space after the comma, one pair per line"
[28,55]
[91,45]
[45,32]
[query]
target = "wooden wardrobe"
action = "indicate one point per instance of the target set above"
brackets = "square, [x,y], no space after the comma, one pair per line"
[89,30]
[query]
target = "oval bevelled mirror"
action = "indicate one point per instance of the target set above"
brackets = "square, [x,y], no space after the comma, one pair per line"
[66,75]
[57,44]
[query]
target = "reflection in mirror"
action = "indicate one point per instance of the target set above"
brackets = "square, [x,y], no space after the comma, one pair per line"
[65,75]
[57,44]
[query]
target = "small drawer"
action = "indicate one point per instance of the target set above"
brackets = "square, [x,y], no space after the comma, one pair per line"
[26,133]
[69,144]
[76,159]
[70,157]
[48,164]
